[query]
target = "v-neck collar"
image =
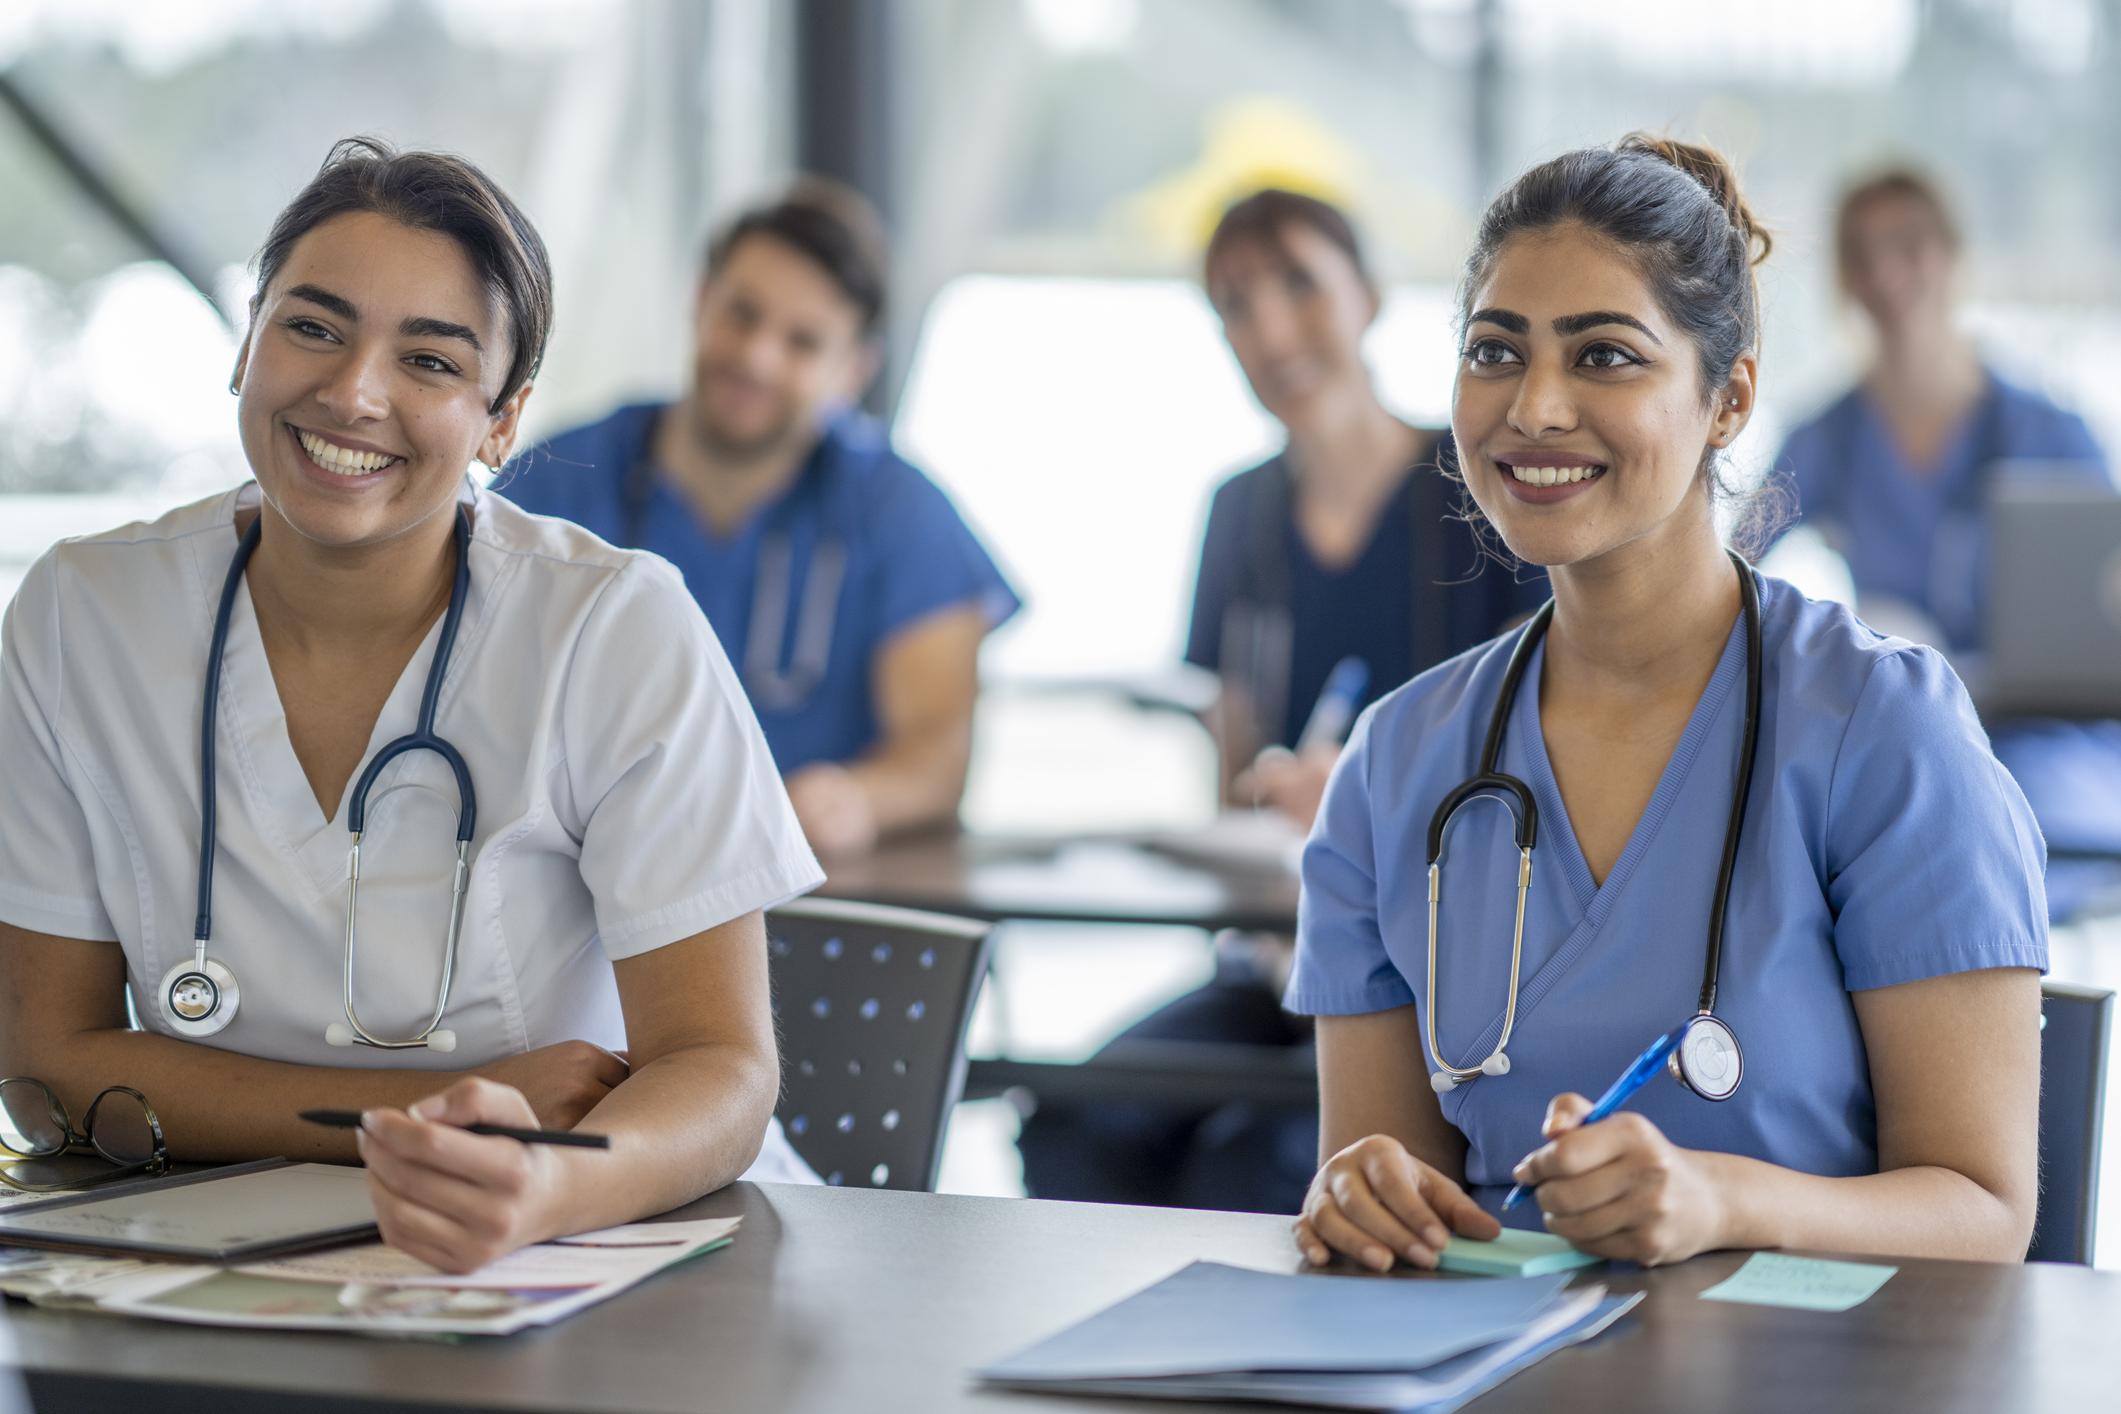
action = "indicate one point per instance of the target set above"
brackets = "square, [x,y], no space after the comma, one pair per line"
[252,721]
[1959,456]
[1557,846]
[1595,900]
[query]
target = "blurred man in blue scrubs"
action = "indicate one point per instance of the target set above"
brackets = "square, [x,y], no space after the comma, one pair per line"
[1896,475]
[848,592]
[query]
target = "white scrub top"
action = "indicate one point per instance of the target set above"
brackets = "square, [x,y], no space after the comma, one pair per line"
[1882,844]
[626,798]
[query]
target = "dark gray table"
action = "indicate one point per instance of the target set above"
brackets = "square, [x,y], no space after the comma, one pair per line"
[836,1301]
[1075,879]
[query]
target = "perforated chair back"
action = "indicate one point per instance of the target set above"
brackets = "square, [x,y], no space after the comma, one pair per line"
[2076,1024]
[872,1005]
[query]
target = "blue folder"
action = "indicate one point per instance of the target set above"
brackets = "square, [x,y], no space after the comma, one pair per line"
[1211,1318]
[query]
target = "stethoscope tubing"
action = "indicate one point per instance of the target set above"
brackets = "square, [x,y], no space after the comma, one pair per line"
[422,738]
[769,684]
[1492,782]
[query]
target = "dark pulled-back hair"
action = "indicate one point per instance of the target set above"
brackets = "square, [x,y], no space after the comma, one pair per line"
[431,191]
[832,225]
[1264,219]
[1671,207]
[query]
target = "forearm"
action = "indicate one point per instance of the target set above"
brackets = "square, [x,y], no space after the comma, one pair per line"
[218,1106]
[1919,1211]
[686,1124]
[917,777]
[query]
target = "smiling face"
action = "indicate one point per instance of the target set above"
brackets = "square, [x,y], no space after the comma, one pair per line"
[777,345]
[1579,413]
[367,380]
[1295,313]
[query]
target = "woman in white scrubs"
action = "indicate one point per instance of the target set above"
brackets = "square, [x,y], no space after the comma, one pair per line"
[629,824]
[1885,925]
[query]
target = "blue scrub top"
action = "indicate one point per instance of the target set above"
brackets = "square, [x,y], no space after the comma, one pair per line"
[1923,539]
[1365,609]
[1920,536]
[909,554]
[1882,844]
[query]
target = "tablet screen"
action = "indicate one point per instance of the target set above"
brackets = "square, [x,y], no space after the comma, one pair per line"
[262,1208]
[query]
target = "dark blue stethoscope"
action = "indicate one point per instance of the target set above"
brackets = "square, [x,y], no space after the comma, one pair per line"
[200,996]
[770,685]
[1705,1058]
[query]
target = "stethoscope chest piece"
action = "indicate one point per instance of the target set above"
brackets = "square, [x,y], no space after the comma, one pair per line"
[1707,1059]
[199,997]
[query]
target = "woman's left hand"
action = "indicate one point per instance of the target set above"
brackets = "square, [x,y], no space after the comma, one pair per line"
[455,1200]
[1619,1188]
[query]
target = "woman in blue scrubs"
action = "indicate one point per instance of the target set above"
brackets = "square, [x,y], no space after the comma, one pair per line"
[1885,921]
[1896,475]
[1343,554]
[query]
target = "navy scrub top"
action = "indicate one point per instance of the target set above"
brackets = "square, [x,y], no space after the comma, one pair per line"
[1254,558]
[909,554]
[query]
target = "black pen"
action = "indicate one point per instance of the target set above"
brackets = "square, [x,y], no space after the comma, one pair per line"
[351,1119]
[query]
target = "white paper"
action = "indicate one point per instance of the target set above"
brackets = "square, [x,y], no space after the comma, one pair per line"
[376,1289]
[612,1254]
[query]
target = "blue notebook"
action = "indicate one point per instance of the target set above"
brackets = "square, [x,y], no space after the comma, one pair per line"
[1218,1332]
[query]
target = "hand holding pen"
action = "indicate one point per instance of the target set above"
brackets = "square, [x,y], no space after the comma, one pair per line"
[1620,1188]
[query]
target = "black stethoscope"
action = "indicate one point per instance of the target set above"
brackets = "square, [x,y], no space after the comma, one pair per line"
[769,683]
[200,996]
[1706,1059]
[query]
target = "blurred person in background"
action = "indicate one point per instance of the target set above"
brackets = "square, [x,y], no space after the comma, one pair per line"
[842,582]
[1896,476]
[1329,574]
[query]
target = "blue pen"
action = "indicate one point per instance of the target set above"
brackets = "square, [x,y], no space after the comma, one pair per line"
[1334,712]
[1632,1079]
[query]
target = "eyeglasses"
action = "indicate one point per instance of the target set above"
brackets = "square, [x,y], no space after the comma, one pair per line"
[121,1127]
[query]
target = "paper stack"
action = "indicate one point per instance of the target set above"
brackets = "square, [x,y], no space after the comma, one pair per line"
[1218,1332]
[369,1287]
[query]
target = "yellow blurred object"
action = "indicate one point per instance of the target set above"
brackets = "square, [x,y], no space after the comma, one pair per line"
[1250,143]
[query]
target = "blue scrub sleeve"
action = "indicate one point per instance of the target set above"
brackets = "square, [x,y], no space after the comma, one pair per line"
[928,559]
[1342,968]
[1934,864]
[1220,545]
[47,855]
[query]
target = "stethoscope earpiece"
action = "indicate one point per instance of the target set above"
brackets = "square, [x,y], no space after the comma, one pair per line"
[1442,1082]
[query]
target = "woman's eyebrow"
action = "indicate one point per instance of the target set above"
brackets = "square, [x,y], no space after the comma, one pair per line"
[1577,323]
[1515,323]
[426,326]
[419,326]
[325,299]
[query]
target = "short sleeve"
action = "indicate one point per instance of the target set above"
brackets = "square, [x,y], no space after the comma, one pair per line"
[1934,864]
[1213,584]
[47,858]
[930,560]
[684,822]
[1342,968]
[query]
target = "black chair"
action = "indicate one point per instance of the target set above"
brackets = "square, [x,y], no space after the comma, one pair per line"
[2076,1024]
[872,1005]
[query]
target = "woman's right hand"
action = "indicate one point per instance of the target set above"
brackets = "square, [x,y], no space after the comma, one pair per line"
[563,1082]
[1379,1204]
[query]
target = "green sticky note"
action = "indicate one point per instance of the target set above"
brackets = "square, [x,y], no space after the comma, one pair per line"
[1802,1283]
[1517,1253]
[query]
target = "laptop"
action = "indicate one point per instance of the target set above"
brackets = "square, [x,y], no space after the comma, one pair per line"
[2054,600]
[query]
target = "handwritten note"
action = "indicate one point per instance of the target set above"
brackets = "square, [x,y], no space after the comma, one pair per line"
[1801,1283]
